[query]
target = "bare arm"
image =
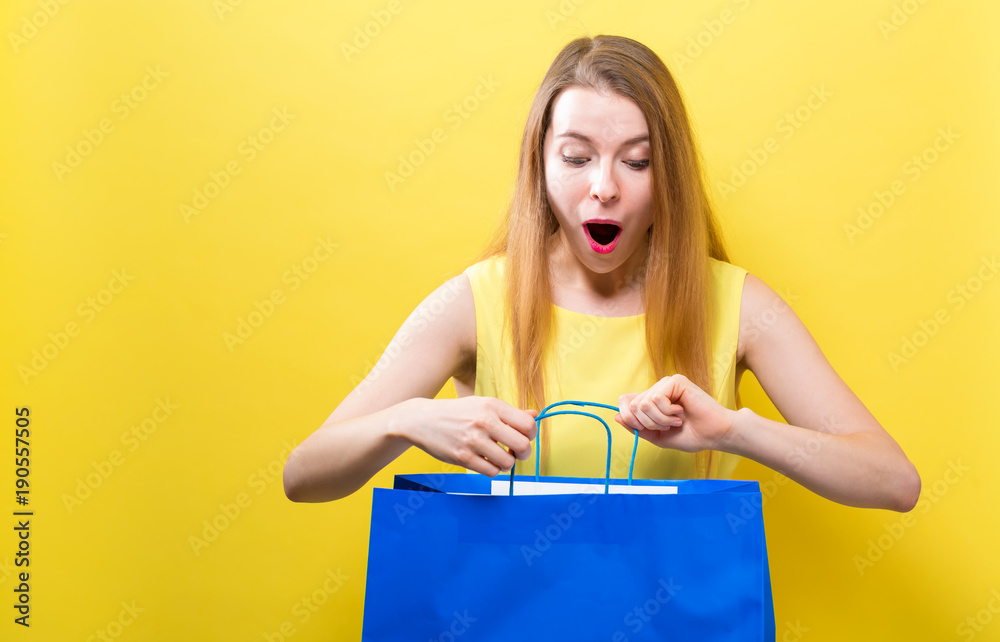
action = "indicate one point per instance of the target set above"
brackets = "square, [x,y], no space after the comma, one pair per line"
[393,408]
[832,444]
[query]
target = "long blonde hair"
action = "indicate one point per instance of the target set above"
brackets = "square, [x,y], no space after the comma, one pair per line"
[683,235]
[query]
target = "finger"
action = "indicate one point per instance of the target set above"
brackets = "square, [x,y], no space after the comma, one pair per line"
[521,420]
[519,444]
[497,456]
[472,459]
[650,407]
[629,420]
[664,404]
[645,421]
[637,406]
[618,418]
[627,416]
[674,386]
[651,417]
[482,466]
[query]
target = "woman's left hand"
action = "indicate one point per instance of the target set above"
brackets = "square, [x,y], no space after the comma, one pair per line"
[675,413]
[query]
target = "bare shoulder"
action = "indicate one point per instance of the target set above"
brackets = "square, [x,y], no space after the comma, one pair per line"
[790,366]
[433,344]
[453,303]
[760,309]
[449,315]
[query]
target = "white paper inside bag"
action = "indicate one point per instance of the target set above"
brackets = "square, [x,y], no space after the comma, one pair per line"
[502,487]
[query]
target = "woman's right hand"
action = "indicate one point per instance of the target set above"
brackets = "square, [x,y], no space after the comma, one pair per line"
[394,408]
[469,431]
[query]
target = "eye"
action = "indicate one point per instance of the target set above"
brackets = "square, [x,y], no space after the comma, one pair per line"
[638,164]
[575,160]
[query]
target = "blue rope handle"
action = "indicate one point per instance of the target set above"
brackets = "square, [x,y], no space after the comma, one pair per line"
[545,414]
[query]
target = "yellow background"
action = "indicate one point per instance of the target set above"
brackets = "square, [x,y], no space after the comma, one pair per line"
[238,407]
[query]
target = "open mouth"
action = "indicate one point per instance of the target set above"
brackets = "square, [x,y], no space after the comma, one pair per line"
[602,236]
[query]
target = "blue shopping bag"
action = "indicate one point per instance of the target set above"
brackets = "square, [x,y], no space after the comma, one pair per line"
[458,556]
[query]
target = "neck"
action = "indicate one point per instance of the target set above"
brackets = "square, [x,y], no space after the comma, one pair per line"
[567,271]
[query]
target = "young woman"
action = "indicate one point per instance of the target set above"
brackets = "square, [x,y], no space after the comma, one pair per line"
[607,281]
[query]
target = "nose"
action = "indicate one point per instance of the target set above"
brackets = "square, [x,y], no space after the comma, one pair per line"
[604,186]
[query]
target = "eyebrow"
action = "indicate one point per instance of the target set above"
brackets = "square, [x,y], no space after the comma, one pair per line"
[569,133]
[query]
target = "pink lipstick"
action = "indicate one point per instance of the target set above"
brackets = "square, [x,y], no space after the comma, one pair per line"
[603,234]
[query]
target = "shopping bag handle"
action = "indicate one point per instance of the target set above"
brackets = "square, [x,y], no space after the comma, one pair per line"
[546,413]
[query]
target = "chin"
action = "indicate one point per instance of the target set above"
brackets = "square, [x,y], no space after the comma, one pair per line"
[602,264]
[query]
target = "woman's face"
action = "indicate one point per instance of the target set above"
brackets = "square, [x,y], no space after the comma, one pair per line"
[597,176]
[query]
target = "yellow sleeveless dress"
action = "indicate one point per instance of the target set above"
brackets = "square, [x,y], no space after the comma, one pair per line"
[597,359]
